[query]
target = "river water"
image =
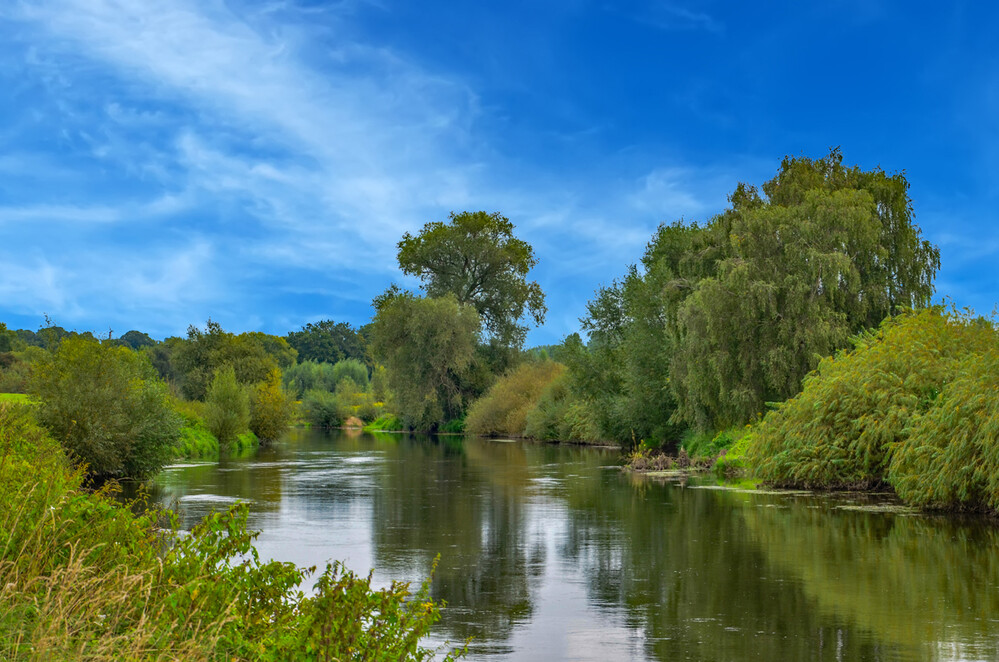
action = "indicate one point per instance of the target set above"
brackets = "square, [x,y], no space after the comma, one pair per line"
[552,553]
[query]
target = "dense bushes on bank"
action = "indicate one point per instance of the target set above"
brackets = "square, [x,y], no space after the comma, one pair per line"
[504,408]
[107,407]
[84,578]
[913,405]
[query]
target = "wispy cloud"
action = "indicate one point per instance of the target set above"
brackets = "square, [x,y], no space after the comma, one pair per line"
[254,153]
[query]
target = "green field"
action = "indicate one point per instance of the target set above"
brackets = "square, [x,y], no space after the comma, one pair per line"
[13,397]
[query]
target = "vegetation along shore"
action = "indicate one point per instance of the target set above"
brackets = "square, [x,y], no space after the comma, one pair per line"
[791,338]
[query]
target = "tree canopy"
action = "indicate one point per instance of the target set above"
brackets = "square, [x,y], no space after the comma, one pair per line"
[476,258]
[327,341]
[428,346]
[107,407]
[724,317]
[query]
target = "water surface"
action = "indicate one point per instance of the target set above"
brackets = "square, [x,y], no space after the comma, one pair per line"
[552,553]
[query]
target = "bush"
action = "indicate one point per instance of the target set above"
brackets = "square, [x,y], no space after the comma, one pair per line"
[84,578]
[227,407]
[385,422]
[15,372]
[196,442]
[271,410]
[353,370]
[561,416]
[709,444]
[504,407]
[107,407]
[309,375]
[950,457]
[321,410]
[860,407]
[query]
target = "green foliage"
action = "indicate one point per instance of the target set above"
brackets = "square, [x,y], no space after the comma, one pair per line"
[307,376]
[353,370]
[196,442]
[8,339]
[135,340]
[327,341]
[861,409]
[106,406]
[427,346]
[950,456]
[321,409]
[504,407]
[274,346]
[227,407]
[385,422]
[271,409]
[84,578]
[560,415]
[476,258]
[204,352]
[15,372]
[709,445]
[721,318]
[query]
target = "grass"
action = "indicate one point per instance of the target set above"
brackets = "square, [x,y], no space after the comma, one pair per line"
[84,578]
[13,397]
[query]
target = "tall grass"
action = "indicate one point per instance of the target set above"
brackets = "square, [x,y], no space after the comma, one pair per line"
[82,578]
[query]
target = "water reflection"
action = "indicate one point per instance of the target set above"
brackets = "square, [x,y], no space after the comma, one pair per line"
[550,553]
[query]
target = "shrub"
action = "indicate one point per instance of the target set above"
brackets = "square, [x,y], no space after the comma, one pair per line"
[504,407]
[561,416]
[309,375]
[859,407]
[385,422]
[710,444]
[320,409]
[271,410]
[353,370]
[107,407]
[950,456]
[227,407]
[15,372]
[84,578]
[196,442]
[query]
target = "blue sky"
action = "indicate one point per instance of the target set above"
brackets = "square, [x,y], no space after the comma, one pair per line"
[256,162]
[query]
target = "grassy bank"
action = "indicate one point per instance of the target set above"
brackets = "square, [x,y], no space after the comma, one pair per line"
[85,579]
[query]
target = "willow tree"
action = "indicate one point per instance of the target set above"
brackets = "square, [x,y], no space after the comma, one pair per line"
[428,346]
[721,318]
[825,252]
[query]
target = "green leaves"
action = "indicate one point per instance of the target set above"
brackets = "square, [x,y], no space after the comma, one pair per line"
[106,406]
[476,258]
[912,405]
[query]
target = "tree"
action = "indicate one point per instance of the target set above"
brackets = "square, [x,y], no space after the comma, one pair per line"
[106,406]
[475,258]
[428,346]
[722,318]
[136,340]
[227,407]
[327,341]
[271,409]
[204,352]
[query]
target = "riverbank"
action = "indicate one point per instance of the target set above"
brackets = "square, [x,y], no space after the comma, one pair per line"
[83,577]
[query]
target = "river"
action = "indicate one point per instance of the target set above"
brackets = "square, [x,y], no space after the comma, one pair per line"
[552,553]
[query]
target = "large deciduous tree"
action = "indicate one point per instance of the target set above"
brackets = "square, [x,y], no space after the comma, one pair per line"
[725,317]
[428,346]
[476,258]
[327,341]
